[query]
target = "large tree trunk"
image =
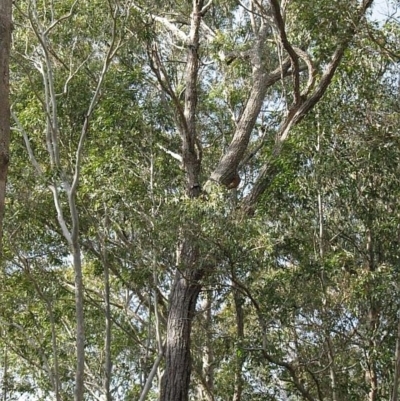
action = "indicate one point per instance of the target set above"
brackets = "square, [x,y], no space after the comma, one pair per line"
[5,44]
[187,285]
[176,379]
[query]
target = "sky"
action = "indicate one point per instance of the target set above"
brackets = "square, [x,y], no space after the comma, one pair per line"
[382,9]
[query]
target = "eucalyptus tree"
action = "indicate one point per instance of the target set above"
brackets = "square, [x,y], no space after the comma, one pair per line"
[56,45]
[276,45]
[5,45]
[189,130]
[324,285]
[115,220]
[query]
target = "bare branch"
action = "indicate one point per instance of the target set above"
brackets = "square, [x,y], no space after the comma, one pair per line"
[46,71]
[62,18]
[73,73]
[311,71]
[60,214]
[164,21]
[113,48]
[192,158]
[204,10]
[173,154]
[294,58]
[31,155]
[152,373]
[251,12]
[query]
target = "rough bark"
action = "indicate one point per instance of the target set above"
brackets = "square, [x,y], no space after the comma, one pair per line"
[5,45]
[178,362]
[227,167]
[208,356]
[187,285]
[191,153]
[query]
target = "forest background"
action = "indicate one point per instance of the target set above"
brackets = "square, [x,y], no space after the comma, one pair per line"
[202,200]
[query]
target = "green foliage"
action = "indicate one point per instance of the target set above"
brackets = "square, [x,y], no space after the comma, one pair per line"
[316,267]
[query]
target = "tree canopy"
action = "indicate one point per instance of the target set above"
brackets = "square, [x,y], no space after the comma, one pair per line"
[202,201]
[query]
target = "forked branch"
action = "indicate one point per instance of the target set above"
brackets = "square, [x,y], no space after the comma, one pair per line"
[299,111]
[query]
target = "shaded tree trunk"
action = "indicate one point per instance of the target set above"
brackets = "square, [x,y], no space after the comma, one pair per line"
[373,322]
[395,390]
[80,324]
[178,362]
[208,351]
[5,45]
[238,389]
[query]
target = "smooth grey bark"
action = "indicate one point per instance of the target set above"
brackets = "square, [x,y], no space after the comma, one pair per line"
[151,376]
[69,227]
[80,323]
[5,45]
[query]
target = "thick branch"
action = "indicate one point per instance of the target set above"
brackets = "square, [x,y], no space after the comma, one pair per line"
[191,158]
[229,163]
[238,384]
[297,113]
